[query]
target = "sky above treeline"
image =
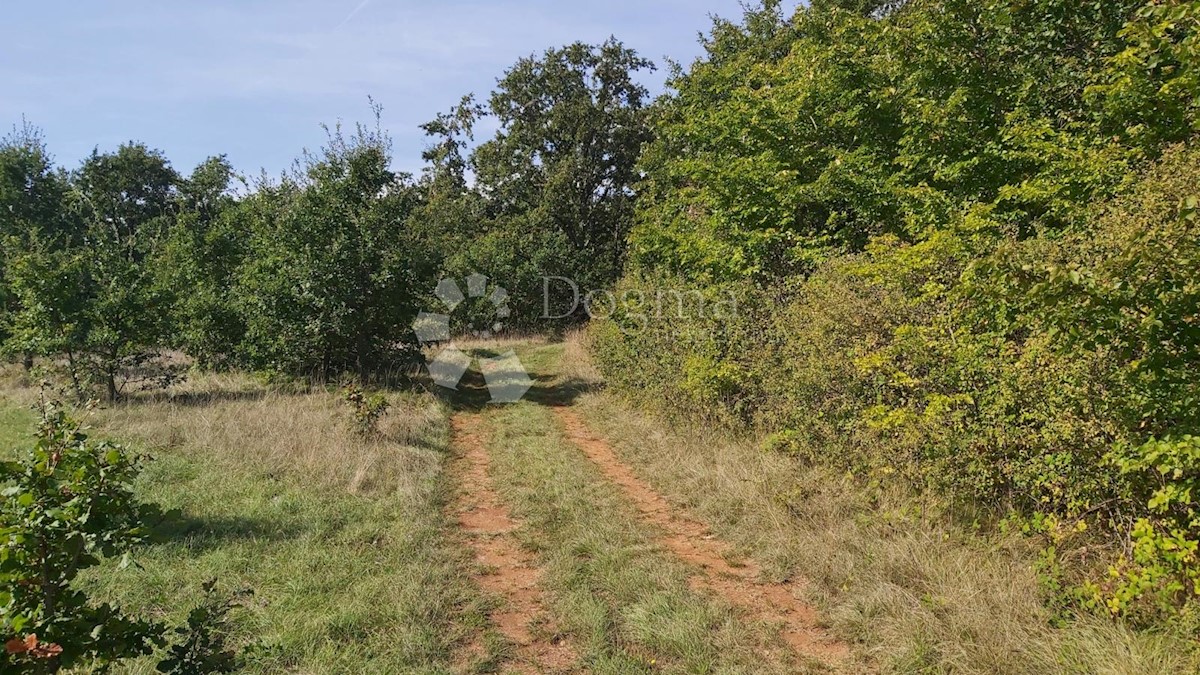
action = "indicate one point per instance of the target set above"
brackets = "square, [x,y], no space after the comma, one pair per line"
[255,79]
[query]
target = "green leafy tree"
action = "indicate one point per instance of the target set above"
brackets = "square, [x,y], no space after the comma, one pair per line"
[31,216]
[553,191]
[199,264]
[798,139]
[328,284]
[1151,93]
[572,126]
[126,199]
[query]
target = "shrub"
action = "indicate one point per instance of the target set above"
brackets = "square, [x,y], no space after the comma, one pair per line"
[201,645]
[366,409]
[327,282]
[66,506]
[1023,374]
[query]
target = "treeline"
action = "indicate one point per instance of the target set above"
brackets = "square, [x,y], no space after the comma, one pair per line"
[109,267]
[964,239]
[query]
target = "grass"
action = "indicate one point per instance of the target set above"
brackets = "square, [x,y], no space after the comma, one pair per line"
[625,600]
[914,592]
[356,566]
[343,541]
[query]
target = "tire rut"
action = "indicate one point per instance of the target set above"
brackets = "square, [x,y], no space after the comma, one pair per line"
[504,569]
[692,541]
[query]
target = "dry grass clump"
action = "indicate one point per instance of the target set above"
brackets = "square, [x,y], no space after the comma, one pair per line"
[499,343]
[576,363]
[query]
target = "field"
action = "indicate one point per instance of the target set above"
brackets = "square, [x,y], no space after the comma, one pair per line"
[564,533]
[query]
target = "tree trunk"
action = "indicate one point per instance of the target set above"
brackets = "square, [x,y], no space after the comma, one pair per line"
[74,369]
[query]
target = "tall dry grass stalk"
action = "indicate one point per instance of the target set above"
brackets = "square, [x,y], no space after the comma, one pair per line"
[577,364]
[499,343]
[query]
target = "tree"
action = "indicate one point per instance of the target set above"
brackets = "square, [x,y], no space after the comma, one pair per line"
[328,283]
[31,210]
[126,199]
[564,162]
[794,140]
[199,263]
[86,286]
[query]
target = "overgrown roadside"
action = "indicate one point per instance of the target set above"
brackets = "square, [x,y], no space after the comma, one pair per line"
[909,592]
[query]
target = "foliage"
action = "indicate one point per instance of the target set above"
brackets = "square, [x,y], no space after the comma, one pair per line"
[31,211]
[953,273]
[554,188]
[125,199]
[199,261]
[89,289]
[1162,570]
[793,140]
[202,645]
[366,409]
[327,282]
[66,506]
[1150,95]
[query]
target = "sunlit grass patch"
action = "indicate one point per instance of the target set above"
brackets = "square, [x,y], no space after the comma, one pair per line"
[342,540]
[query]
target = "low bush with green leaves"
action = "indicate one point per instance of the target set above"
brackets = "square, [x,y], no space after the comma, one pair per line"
[366,409]
[68,506]
[1029,375]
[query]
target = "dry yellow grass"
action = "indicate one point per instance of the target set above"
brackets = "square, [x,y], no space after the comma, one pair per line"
[576,363]
[234,419]
[499,343]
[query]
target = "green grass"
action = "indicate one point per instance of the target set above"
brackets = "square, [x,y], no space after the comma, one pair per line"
[624,598]
[16,426]
[344,543]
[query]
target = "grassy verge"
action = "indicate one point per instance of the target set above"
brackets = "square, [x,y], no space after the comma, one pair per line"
[343,541]
[626,601]
[916,593]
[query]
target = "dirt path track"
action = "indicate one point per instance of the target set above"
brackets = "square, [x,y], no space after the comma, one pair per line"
[691,540]
[506,570]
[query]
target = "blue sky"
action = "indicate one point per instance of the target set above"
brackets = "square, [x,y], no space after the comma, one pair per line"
[255,79]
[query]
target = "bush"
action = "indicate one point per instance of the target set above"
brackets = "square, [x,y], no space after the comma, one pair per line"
[1027,375]
[366,409]
[327,285]
[67,506]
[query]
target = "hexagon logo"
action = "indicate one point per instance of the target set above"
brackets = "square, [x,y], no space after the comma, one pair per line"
[505,376]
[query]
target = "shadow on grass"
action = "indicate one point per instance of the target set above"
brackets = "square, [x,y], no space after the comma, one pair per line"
[210,533]
[472,394]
